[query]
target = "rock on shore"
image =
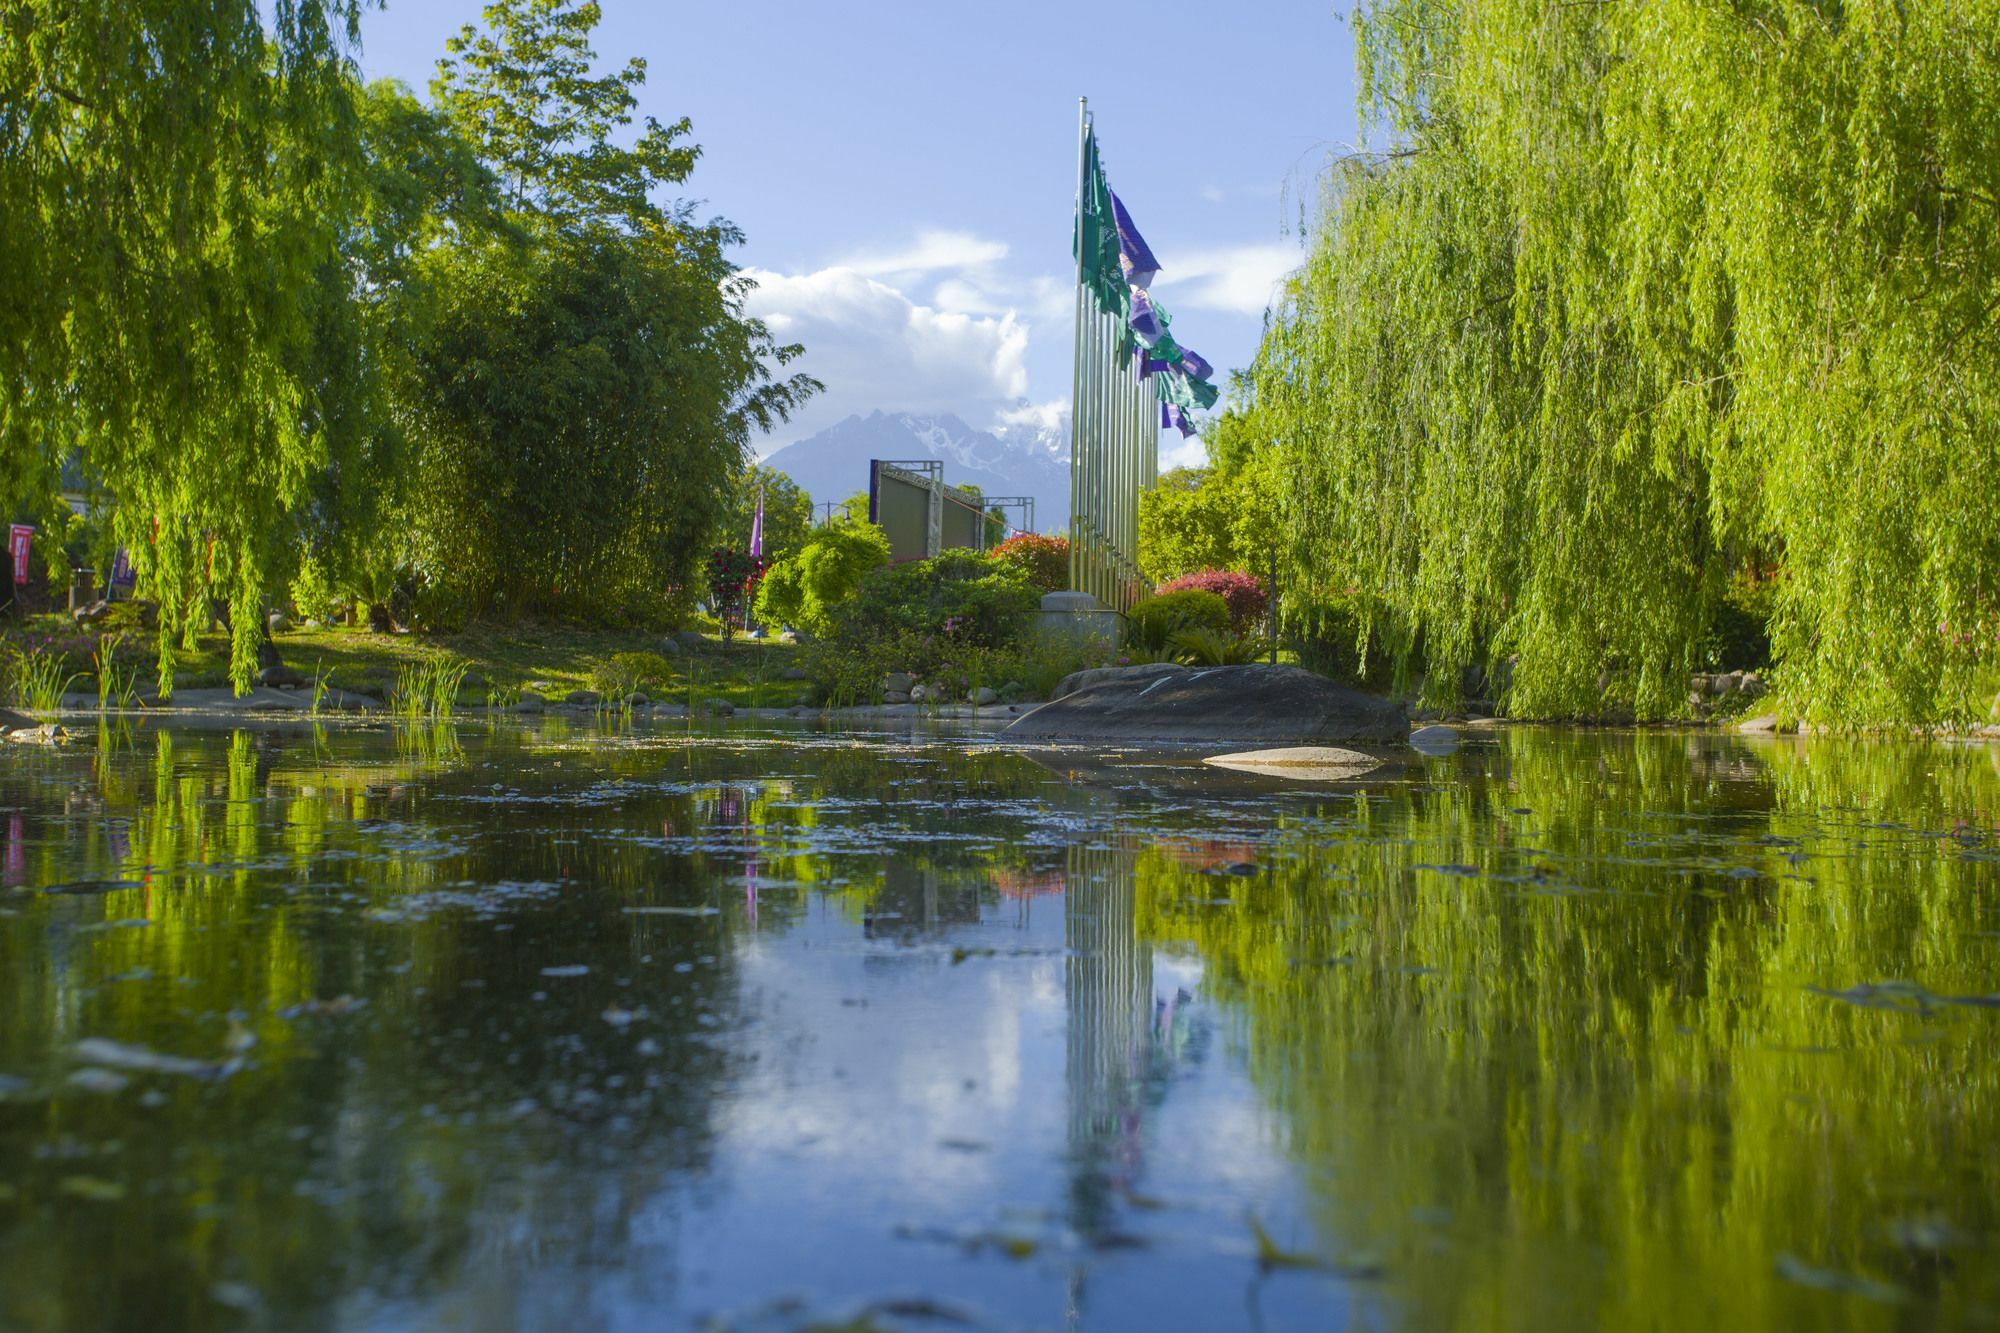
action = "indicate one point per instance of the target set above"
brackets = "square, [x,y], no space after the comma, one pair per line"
[1159,704]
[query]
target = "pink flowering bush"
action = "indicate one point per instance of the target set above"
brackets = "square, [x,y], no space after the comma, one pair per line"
[1245,594]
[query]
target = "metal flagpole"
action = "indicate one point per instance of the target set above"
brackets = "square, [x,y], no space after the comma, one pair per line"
[1077,361]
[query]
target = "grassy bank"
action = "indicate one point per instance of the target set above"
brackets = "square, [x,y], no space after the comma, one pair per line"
[500,660]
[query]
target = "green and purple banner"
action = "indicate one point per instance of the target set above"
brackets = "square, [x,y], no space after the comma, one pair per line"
[1118,269]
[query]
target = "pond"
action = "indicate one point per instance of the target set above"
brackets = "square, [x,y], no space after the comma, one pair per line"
[534,1027]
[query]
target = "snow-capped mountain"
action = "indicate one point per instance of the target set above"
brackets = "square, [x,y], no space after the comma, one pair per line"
[1028,455]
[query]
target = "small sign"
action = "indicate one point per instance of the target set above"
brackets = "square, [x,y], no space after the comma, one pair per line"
[19,539]
[122,575]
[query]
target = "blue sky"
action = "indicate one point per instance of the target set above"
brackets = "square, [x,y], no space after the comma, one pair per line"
[905,171]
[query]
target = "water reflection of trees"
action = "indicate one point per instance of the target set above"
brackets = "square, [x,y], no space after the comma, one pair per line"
[1546,1035]
[444,1134]
[443,1126]
[1537,1023]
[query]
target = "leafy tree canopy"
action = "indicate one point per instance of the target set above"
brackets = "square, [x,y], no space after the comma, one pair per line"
[174,182]
[1647,293]
[586,398]
[788,511]
[804,590]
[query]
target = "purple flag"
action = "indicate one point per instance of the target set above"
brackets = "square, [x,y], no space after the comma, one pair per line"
[1173,416]
[1146,323]
[1134,256]
[1194,364]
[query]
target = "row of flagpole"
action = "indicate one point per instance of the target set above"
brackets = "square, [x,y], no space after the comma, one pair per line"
[1113,457]
[1129,378]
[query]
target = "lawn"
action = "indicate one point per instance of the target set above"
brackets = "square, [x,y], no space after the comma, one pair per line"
[500,659]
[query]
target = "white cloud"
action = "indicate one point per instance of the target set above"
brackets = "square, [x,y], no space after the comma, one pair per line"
[1242,279]
[965,298]
[1176,452]
[1210,193]
[1036,416]
[874,347]
[932,252]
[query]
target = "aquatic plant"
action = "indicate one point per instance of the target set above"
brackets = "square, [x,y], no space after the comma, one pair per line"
[117,685]
[38,679]
[428,689]
[322,684]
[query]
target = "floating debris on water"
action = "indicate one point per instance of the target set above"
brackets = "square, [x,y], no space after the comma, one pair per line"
[139,1059]
[1794,1269]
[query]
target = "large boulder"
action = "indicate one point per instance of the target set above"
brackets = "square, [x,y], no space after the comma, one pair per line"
[1077,680]
[1263,704]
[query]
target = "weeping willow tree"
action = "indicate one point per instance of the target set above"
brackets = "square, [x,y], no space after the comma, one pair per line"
[1639,295]
[173,177]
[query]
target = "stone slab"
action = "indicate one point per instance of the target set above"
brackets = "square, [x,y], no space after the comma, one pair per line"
[1305,763]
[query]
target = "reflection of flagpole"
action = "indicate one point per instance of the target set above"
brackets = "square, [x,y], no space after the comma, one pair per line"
[749,865]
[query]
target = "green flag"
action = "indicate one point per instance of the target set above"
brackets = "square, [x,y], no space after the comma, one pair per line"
[1184,391]
[1096,241]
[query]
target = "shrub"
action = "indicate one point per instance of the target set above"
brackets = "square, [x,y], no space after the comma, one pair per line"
[849,669]
[959,595]
[1158,619]
[804,589]
[1210,647]
[626,673]
[1244,594]
[955,621]
[732,574]
[1043,561]
[1739,635]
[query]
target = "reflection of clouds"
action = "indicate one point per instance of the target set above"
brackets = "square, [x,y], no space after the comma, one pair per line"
[937,1053]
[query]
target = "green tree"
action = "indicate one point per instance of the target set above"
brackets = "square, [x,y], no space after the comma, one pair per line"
[1183,525]
[581,392]
[426,191]
[175,182]
[788,512]
[1649,292]
[854,509]
[803,590]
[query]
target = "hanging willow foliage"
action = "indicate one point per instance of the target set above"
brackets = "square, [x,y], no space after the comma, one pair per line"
[172,176]
[1646,293]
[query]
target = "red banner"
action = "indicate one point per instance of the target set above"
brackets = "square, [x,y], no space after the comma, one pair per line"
[19,538]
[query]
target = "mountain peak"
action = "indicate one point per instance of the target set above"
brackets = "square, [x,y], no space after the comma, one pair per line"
[1023,458]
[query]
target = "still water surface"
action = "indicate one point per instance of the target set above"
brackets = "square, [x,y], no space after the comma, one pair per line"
[546,1028]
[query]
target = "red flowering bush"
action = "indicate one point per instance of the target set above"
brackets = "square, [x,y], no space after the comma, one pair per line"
[1043,561]
[732,583]
[1245,594]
